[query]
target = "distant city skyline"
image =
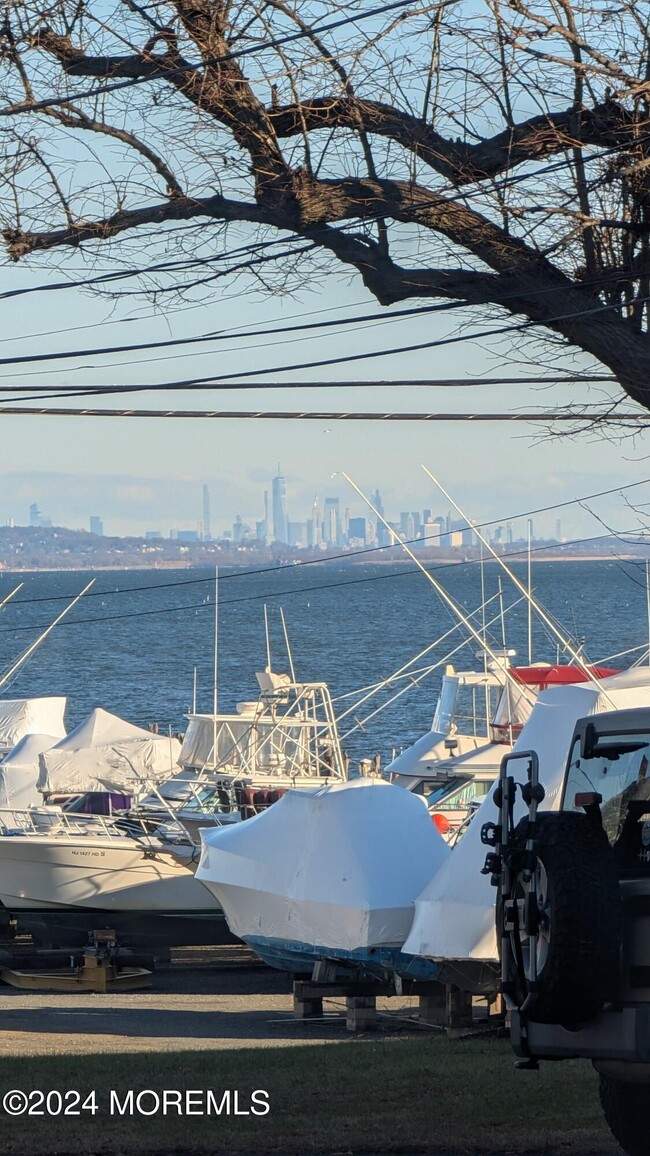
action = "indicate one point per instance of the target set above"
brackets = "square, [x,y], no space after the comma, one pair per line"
[132,505]
[325,525]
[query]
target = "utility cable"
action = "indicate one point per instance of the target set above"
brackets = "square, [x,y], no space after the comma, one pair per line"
[217,379]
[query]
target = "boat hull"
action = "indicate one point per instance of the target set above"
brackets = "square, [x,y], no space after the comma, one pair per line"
[60,889]
[103,875]
[381,962]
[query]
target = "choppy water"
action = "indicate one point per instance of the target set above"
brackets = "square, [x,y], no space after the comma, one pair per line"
[132,647]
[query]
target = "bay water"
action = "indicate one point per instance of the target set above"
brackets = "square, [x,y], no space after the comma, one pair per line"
[132,645]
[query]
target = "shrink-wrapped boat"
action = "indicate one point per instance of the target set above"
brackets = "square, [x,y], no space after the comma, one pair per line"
[327,873]
[454,916]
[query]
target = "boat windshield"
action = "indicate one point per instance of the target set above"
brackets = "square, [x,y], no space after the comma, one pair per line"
[464,707]
[458,795]
[618,771]
[209,800]
[512,712]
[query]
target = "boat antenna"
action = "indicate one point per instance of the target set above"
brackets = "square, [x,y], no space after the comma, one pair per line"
[483,626]
[446,598]
[41,638]
[194,694]
[216,642]
[268,637]
[530,595]
[647,598]
[402,671]
[509,701]
[414,680]
[215,669]
[520,586]
[286,640]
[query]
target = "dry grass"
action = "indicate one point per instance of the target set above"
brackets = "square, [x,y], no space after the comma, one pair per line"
[394,1095]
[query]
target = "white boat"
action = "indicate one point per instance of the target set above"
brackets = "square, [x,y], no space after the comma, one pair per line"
[454,915]
[288,735]
[19,771]
[27,716]
[106,753]
[453,774]
[328,873]
[64,875]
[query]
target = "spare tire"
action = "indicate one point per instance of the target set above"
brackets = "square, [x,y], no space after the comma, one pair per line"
[572,921]
[626,1111]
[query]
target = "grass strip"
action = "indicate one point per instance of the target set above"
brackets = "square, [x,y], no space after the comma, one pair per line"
[426,1094]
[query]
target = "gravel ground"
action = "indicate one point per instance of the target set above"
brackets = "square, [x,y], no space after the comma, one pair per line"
[206,999]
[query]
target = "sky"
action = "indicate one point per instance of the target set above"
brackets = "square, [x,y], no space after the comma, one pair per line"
[148,474]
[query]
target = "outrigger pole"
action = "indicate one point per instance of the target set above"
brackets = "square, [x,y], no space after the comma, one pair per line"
[35,645]
[447,599]
[520,586]
[11,594]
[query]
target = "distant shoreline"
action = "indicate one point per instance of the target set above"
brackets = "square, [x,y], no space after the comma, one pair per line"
[519,558]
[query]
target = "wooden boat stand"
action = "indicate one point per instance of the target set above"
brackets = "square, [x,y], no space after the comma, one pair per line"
[442,1006]
[100,971]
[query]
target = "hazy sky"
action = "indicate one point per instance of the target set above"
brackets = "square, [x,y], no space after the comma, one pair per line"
[141,475]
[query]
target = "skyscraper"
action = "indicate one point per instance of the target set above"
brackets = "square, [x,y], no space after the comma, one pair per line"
[34,515]
[332,522]
[383,535]
[315,526]
[279,492]
[96,525]
[207,533]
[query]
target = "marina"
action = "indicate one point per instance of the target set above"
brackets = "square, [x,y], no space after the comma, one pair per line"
[286,893]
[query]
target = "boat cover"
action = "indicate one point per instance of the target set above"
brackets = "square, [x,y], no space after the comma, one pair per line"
[19,771]
[454,915]
[338,867]
[29,716]
[105,753]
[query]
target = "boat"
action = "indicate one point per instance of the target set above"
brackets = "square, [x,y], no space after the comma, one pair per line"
[19,771]
[328,873]
[453,925]
[64,875]
[286,736]
[27,716]
[230,767]
[454,775]
[106,754]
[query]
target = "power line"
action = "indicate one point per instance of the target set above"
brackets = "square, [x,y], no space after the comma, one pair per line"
[299,415]
[216,380]
[392,383]
[274,330]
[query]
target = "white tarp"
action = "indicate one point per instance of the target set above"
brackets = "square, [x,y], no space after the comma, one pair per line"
[19,772]
[337,866]
[105,753]
[30,716]
[454,915]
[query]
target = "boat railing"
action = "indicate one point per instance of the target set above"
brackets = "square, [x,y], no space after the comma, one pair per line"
[54,821]
[300,742]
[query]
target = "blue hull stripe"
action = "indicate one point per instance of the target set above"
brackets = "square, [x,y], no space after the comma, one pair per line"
[379,962]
